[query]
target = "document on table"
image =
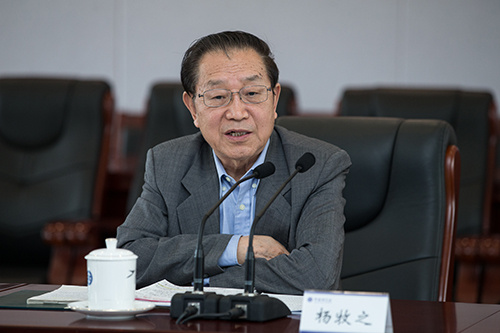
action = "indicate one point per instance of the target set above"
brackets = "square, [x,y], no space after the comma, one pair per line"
[159,293]
[63,295]
[162,292]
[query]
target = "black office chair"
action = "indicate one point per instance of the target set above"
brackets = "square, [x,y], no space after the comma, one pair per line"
[53,157]
[287,104]
[401,196]
[167,118]
[473,117]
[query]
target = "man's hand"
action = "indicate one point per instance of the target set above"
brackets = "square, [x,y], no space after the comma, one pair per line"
[263,247]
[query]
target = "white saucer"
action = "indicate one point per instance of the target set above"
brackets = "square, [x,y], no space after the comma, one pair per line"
[83,307]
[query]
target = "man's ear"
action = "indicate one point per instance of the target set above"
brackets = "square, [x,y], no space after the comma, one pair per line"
[189,103]
[276,95]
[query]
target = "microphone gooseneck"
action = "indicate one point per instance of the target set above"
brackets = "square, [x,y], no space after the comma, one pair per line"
[189,304]
[261,307]
[262,171]
[304,163]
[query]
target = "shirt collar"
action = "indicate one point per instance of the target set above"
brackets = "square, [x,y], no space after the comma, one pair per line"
[261,159]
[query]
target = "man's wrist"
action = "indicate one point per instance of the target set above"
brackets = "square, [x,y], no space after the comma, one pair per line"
[230,255]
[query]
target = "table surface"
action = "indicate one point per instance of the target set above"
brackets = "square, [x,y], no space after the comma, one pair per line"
[9,285]
[407,317]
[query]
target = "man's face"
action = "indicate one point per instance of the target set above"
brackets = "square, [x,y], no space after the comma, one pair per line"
[238,131]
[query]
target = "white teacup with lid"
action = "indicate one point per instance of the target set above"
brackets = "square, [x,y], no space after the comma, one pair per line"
[111,275]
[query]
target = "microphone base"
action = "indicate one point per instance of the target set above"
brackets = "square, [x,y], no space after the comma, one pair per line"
[257,308]
[205,302]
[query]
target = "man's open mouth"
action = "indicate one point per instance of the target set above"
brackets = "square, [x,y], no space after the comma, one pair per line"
[232,133]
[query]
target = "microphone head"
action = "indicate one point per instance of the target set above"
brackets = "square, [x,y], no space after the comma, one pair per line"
[305,162]
[264,170]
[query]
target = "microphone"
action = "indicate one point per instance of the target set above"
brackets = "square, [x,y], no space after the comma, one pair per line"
[262,307]
[208,302]
[304,163]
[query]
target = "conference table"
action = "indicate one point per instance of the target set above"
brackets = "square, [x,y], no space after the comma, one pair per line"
[407,316]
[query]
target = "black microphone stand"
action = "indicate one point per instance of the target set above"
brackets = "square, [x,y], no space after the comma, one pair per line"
[259,307]
[189,303]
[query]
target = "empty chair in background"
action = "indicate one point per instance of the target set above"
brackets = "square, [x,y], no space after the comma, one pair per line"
[401,199]
[54,137]
[473,117]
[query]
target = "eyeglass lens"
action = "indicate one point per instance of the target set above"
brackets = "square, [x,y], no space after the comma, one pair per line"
[220,97]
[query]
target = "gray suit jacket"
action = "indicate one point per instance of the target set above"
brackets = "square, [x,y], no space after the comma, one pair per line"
[181,185]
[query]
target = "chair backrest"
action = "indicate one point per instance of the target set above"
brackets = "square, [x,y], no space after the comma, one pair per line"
[54,136]
[473,117]
[287,104]
[167,118]
[400,202]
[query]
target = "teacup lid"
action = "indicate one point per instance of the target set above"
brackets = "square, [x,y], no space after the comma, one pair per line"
[111,252]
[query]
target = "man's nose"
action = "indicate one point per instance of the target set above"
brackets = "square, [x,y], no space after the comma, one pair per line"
[237,108]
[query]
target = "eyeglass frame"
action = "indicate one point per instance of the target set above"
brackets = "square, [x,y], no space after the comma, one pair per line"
[236,92]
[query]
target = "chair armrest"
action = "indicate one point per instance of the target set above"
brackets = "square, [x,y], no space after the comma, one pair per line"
[478,249]
[489,248]
[467,249]
[71,232]
[70,242]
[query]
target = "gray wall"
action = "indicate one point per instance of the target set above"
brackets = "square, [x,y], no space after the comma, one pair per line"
[320,46]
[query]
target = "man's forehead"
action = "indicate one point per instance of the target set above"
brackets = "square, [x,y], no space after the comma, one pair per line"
[248,79]
[244,67]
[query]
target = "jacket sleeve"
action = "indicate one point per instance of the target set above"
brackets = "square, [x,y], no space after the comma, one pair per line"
[163,251]
[317,220]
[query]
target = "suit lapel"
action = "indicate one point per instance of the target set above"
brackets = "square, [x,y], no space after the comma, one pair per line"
[269,186]
[204,193]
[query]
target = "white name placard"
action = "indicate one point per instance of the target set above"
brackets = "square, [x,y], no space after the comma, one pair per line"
[337,311]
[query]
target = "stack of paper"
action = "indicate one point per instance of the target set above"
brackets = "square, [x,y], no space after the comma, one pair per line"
[159,293]
[162,292]
[63,295]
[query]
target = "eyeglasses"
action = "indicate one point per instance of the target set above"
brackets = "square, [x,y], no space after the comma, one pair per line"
[215,98]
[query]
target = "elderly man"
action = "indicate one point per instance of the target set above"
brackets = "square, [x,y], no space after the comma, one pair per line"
[231,90]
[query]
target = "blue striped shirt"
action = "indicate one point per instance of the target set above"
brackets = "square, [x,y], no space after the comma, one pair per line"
[237,212]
